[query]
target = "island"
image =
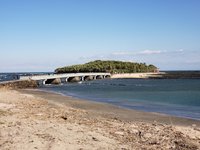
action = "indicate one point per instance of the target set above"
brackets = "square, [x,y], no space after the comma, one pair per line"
[113,67]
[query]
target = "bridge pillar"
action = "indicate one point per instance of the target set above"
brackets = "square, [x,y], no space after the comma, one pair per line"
[82,78]
[63,80]
[44,82]
[40,82]
[95,77]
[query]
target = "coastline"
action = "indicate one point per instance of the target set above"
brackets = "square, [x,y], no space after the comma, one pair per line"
[159,75]
[138,75]
[33,119]
[110,110]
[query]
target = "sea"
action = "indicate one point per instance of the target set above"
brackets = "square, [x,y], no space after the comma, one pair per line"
[176,97]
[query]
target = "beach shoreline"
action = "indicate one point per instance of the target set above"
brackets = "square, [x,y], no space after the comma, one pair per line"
[33,119]
[138,75]
[111,110]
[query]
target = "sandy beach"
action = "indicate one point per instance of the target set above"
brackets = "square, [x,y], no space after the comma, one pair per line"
[32,119]
[137,75]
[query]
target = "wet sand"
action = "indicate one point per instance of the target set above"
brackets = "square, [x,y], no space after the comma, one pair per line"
[112,111]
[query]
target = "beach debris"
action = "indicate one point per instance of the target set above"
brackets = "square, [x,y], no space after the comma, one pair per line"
[153,142]
[119,133]
[64,117]
[95,139]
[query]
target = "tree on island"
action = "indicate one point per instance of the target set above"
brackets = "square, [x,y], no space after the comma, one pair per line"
[113,67]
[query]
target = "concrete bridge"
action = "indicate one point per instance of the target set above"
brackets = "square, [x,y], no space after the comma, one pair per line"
[67,77]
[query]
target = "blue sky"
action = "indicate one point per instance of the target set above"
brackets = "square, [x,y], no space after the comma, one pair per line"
[41,35]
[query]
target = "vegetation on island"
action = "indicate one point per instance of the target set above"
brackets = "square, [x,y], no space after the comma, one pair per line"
[108,66]
[112,67]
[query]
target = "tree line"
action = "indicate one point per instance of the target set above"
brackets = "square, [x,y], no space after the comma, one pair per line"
[113,67]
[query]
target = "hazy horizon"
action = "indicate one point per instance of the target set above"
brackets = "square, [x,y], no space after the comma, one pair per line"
[63,66]
[40,36]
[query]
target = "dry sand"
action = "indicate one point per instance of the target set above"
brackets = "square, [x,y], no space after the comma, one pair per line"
[138,75]
[39,120]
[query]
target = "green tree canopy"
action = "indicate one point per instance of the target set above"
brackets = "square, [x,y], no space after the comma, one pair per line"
[113,67]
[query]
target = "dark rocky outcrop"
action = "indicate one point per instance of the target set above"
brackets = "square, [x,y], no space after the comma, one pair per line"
[19,84]
[178,75]
[53,81]
[74,79]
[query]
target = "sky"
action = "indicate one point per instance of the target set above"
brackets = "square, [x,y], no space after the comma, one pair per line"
[42,35]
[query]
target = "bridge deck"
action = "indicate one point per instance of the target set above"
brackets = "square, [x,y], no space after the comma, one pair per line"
[66,75]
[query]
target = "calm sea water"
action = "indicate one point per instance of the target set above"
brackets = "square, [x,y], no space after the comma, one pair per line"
[178,97]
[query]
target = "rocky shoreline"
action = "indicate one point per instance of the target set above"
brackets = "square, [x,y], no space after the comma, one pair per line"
[18,84]
[181,75]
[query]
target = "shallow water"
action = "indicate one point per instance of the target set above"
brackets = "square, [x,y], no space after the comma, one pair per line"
[178,97]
